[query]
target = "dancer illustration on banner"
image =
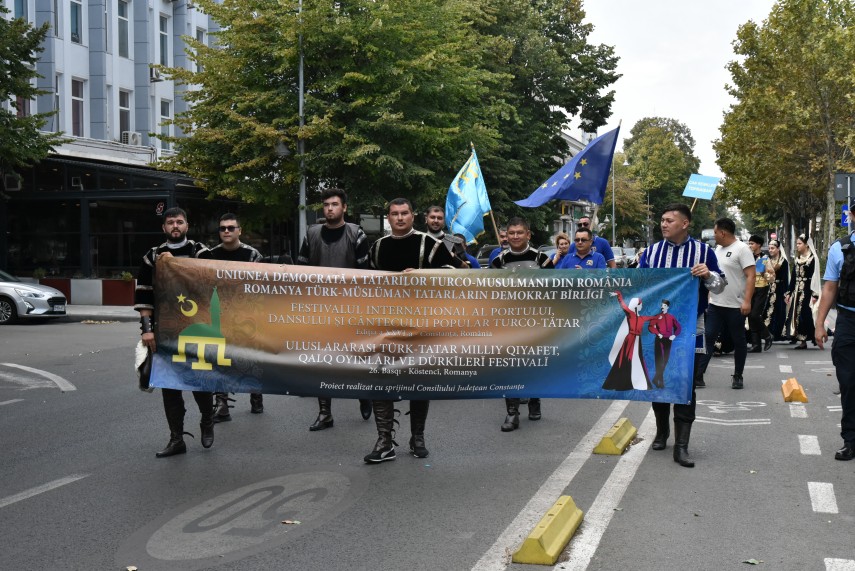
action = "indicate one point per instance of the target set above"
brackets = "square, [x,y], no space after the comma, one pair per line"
[626,357]
[666,328]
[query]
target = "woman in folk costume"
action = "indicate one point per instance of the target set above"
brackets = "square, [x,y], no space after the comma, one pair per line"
[804,287]
[626,357]
[777,312]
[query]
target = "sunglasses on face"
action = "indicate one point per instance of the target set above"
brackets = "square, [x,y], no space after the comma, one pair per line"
[581,240]
[228,228]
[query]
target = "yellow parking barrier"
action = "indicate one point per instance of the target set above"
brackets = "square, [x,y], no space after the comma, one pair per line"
[793,391]
[617,439]
[551,535]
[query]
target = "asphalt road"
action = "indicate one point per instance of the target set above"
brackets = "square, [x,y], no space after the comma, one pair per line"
[80,487]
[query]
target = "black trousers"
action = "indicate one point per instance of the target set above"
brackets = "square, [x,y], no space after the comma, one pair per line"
[757,317]
[683,412]
[173,406]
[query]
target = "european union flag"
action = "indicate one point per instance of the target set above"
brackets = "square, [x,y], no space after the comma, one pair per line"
[467,202]
[583,178]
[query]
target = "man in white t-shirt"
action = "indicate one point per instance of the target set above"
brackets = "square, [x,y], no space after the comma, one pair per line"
[727,310]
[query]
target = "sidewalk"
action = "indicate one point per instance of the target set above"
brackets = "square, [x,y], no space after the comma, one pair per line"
[101,313]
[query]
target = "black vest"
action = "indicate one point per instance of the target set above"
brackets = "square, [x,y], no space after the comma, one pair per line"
[846,285]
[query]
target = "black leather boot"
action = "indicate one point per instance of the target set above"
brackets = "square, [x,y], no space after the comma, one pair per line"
[534,409]
[174,409]
[256,403]
[365,408]
[755,346]
[512,421]
[384,418]
[221,407]
[418,417]
[663,427]
[175,445]
[325,419]
[206,436]
[682,431]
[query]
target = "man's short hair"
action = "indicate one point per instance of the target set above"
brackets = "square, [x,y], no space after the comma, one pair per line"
[435,208]
[399,202]
[726,225]
[230,216]
[757,239]
[334,192]
[174,212]
[518,221]
[666,302]
[585,231]
[679,207]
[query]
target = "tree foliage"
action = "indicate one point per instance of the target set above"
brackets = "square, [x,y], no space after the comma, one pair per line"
[21,142]
[792,124]
[395,92]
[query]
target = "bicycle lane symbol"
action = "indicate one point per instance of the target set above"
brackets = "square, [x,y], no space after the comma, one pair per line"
[721,408]
[241,522]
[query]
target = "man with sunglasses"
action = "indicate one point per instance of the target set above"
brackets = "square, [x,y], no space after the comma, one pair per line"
[232,249]
[583,257]
[600,245]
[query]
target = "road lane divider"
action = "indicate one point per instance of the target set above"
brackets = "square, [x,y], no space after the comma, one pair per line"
[822,497]
[809,445]
[793,391]
[63,384]
[551,535]
[617,439]
[9,500]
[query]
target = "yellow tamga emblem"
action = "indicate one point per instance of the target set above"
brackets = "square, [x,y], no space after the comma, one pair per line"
[202,335]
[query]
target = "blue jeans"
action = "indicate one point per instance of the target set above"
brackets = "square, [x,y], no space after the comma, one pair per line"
[843,357]
[731,319]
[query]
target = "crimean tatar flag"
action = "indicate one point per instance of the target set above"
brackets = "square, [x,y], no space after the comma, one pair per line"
[583,178]
[467,202]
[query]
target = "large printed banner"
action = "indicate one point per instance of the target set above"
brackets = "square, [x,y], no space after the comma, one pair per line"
[425,334]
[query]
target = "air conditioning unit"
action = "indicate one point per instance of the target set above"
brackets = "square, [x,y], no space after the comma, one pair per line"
[131,138]
[11,182]
[154,75]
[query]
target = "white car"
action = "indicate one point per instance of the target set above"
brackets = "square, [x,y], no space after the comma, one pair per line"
[21,300]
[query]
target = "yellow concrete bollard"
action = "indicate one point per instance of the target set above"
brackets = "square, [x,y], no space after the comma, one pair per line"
[793,391]
[617,439]
[551,535]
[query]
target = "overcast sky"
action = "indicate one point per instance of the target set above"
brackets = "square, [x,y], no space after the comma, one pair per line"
[672,56]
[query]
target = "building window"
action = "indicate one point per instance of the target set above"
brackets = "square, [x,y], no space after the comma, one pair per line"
[164,40]
[200,37]
[21,9]
[56,28]
[124,29]
[124,111]
[57,118]
[76,22]
[165,116]
[22,107]
[77,107]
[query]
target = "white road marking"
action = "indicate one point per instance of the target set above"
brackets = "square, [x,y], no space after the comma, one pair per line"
[818,363]
[822,497]
[839,564]
[40,489]
[798,410]
[587,539]
[11,401]
[733,421]
[835,408]
[809,445]
[726,366]
[785,368]
[782,355]
[63,385]
[494,559]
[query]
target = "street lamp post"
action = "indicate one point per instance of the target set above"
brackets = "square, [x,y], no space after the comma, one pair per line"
[301,147]
[613,200]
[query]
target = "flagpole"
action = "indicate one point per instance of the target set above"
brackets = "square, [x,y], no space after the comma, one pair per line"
[614,220]
[495,228]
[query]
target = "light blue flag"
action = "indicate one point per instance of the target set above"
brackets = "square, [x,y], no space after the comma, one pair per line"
[467,202]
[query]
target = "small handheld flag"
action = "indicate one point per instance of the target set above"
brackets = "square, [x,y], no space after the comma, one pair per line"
[467,202]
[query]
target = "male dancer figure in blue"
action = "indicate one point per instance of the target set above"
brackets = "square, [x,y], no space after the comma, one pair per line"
[678,250]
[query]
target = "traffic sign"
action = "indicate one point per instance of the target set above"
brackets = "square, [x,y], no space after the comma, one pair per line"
[847,215]
[842,181]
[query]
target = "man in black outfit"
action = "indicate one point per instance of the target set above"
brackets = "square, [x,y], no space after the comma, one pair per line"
[520,254]
[177,244]
[404,249]
[335,244]
[232,249]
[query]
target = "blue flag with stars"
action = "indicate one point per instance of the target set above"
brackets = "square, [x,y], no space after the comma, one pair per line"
[583,178]
[467,202]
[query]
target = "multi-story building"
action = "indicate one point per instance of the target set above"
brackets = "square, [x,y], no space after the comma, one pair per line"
[92,208]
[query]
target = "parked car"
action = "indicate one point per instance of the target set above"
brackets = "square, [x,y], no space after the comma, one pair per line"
[620,258]
[483,255]
[631,257]
[21,300]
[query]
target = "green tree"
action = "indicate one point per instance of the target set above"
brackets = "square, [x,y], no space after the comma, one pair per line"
[792,124]
[661,159]
[630,205]
[21,141]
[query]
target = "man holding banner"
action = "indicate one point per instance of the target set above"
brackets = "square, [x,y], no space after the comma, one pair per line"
[403,250]
[678,250]
[177,245]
